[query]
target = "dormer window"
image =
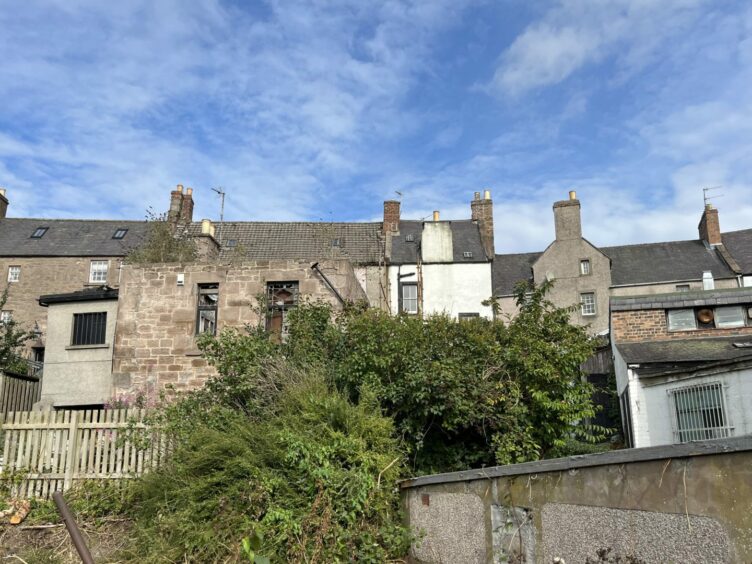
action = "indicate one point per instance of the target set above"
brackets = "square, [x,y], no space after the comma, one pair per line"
[39,232]
[585,267]
[120,233]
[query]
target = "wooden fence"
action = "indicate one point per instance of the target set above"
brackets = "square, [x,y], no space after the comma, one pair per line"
[18,392]
[45,451]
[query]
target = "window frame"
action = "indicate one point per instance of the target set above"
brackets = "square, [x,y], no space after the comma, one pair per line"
[582,304]
[89,334]
[280,310]
[688,398]
[123,230]
[39,232]
[676,311]
[402,286]
[742,322]
[6,313]
[14,268]
[468,315]
[206,289]
[583,262]
[92,271]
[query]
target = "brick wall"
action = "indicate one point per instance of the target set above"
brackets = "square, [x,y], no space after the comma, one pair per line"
[651,324]
[155,343]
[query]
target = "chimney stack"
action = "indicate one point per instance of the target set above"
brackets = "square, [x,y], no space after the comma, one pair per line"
[482,211]
[176,204]
[3,203]
[567,218]
[391,217]
[186,212]
[710,226]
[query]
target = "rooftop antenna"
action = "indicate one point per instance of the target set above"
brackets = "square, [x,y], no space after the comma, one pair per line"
[221,193]
[706,197]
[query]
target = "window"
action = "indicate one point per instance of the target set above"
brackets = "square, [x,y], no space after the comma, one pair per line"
[206,315]
[682,288]
[730,316]
[119,233]
[89,328]
[467,254]
[39,232]
[6,316]
[281,298]
[587,303]
[336,242]
[98,271]
[410,238]
[14,273]
[468,316]
[408,298]
[700,413]
[232,243]
[681,320]
[747,281]
[584,267]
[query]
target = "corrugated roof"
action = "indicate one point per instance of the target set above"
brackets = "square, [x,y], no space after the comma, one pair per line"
[664,262]
[465,239]
[739,244]
[261,240]
[510,270]
[68,237]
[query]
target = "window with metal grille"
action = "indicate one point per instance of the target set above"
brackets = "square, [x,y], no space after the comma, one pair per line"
[587,303]
[39,232]
[119,233]
[681,320]
[98,271]
[89,328]
[409,297]
[206,314]
[585,267]
[14,273]
[729,316]
[700,413]
[281,298]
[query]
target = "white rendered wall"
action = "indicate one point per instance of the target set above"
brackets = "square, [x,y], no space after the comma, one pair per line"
[447,288]
[652,407]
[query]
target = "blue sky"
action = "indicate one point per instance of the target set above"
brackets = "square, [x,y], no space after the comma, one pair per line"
[323,109]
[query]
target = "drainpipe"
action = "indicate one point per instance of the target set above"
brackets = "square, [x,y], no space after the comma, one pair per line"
[315,266]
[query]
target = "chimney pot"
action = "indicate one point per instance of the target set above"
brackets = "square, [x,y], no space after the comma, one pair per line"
[487,195]
[476,196]
[436,215]
[189,192]
[179,188]
[2,192]
[206,227]
[572,195]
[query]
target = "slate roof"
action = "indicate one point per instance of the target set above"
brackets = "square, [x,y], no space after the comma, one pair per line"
[664,262]
[85,295]
[697,298]
[68,237]
[673,355]
[266,240]
[465,238]
[509,270]
[739,244]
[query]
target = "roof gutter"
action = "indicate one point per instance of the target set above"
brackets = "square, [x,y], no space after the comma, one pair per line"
[315,266]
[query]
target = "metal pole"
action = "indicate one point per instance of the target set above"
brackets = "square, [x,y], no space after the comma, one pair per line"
[73,531]
[315,266]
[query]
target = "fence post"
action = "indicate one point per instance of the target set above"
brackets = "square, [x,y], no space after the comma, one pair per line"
[70,461]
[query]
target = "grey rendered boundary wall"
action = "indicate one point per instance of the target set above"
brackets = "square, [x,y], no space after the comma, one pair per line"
[673,503]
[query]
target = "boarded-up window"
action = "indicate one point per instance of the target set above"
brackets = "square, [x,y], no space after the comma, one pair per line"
[206,316]
[281,297]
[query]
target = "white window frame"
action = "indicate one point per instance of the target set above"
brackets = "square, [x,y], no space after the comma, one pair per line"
[6,316]
[693,421]
[585,267]
[97,275]
[587,311]
[404,301]
[14,273]
[739,322]
[675,313]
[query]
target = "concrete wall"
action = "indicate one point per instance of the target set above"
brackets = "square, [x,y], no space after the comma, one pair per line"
[80,375]
[155,341]
[47,275]
[447,288]
[561,261]
[683,503]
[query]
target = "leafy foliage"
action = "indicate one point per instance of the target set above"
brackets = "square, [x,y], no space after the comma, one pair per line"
[162,244]
[12,340]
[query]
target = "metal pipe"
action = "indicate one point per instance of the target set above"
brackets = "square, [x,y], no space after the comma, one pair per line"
[315,266]
[73,531]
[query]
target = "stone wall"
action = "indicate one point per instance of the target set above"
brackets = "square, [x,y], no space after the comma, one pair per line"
[155,343]
[679,503]
[48,275]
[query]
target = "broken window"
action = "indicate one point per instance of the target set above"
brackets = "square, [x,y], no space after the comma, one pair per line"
[98,271]
[89,328]
[206,316]
[409,298]
[281,297]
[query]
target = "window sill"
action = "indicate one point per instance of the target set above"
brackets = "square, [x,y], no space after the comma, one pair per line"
[87,347]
